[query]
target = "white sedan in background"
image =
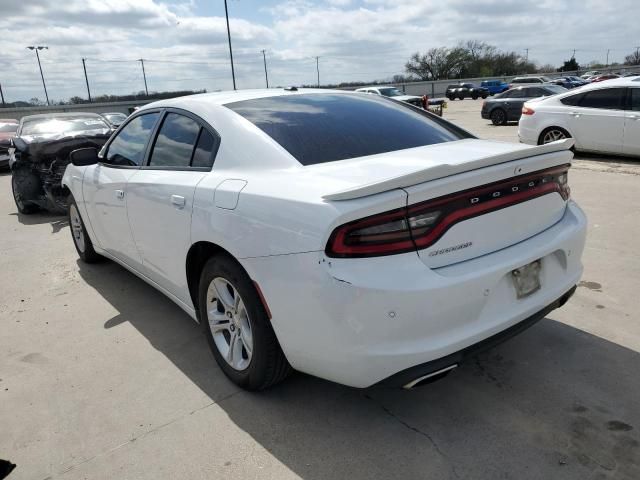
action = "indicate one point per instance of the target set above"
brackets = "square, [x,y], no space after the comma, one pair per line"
[602,117]
[392,92]
[301,237]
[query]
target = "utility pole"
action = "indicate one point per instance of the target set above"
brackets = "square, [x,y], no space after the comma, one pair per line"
[608,50]
[526,55]
[266,76]
[86,79]
[2,95]
[318,69]
[36,49]
[573,55]
[144,76]
[233,73]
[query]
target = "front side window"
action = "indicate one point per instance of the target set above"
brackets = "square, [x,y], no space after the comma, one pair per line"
[318,128]
[606,98]
[175,142]
[128,147]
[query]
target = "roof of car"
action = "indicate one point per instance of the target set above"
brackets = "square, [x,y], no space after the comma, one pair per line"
[8,120]
[231,96]
[44,116]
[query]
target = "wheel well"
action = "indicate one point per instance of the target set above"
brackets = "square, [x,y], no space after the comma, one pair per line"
[553,127]
[197,256]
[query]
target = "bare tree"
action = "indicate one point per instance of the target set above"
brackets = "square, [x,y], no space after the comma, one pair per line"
[633,58]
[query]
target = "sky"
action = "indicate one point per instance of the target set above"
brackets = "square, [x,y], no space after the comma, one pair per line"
[184,42]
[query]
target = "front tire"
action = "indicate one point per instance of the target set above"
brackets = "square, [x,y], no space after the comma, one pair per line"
[237,326]
[81,239]
[24,185]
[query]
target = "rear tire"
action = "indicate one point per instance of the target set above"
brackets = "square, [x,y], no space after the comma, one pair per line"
[237,326]
[461,97]
[475,97]
[498,117]
[81,239]
[24,185]
[552,134]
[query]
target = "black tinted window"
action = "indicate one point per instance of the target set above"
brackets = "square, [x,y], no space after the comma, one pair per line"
[175,142]
[129,145]
[203,155]
[635,99]
[608,98]
[317,128]
[518,93]
[535,92]
[572,100]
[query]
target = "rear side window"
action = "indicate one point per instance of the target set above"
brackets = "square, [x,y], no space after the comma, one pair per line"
[205,149]
[175,142]
[606,98]
[318,128]
[128,148]
[572,100]
[535,92]
[517,93]
[183,143]
[635,99]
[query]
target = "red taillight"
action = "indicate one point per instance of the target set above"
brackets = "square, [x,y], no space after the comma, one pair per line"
[528,111]
[421,225]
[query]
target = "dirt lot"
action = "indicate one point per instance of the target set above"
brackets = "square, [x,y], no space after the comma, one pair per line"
[103,377]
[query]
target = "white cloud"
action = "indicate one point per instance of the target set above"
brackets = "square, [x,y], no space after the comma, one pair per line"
[355,39]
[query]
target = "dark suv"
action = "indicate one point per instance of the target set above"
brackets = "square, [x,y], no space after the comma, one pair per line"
[465,90]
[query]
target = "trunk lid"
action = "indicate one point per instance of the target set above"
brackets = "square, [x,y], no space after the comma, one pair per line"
[510,197]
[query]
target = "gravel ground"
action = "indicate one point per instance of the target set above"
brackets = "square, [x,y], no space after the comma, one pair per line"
[103,377]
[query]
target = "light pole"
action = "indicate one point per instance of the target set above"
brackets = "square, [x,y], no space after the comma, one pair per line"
[36,48]
[266,76]
[318,69]
[233,73]
[144,76]
[86,79]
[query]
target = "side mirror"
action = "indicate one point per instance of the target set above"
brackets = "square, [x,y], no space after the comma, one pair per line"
[84,156]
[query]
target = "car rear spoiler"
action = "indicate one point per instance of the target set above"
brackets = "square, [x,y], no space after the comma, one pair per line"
[445,170]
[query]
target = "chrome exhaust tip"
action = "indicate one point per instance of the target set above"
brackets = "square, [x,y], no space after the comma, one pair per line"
[417,381]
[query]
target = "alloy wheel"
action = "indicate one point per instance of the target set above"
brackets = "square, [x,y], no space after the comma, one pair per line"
[76,228]
[229,323]
[553,135]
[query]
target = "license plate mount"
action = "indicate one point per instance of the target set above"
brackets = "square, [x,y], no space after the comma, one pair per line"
[526,279]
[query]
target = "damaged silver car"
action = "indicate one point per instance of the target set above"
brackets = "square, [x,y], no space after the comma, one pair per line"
[39,155]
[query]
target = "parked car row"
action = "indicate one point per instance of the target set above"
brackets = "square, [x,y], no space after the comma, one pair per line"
[8,128]
[434,105]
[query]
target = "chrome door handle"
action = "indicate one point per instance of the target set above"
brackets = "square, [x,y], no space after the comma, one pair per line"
[635,117]
[575,114]
[119,194]
[178,200]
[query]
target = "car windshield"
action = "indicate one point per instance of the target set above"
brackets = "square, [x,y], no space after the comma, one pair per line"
[318,128]
[390,92]
[61,125]
[8,127]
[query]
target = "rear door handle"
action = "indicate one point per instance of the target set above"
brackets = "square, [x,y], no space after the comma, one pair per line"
[575,114]
[634,117]
[178,200]
[119,194]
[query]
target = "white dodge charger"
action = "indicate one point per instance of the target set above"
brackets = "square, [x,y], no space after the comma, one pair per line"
[348,236]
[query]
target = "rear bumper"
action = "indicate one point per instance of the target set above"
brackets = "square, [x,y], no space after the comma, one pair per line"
[360,321]
[527,131]
[407,377]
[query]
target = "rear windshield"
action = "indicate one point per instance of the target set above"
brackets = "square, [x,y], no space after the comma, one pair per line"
[319,128]
[61,125]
